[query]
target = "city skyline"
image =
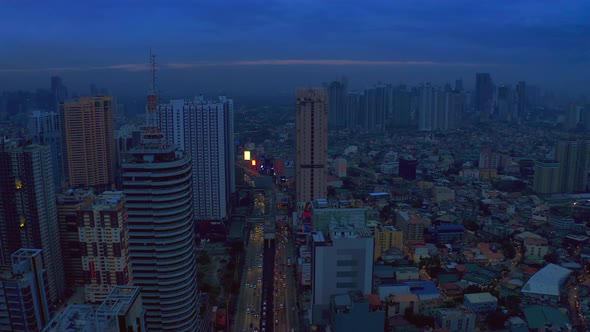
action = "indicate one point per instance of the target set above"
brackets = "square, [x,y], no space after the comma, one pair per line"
[281,45]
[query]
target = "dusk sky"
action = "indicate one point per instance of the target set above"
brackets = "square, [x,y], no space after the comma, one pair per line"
[246,46]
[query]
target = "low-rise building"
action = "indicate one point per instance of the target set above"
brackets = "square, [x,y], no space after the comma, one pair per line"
[535,249]
[353,312]
[455,319]
[480,302]
[545,286]
[387,237]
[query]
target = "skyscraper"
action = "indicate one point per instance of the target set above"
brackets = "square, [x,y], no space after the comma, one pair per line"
[427,108]
[505,102]
[44,127]
[337,98]
[484,91]
[311,123]
[28,214]
[204,129]
[102,229]
[157,182]
[521,99]
[88,139]
[547,179]
[573,155]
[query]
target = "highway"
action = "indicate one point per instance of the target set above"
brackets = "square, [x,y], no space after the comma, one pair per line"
[249,302]
[285,281]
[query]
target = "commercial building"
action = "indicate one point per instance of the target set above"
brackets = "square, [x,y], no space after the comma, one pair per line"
[342,262]
[387,237]
[102,228]
[68,205]
[24,298]
[547,177]
[411,224]
[545,286]
[204,129]
[28,214]
[325,213]
[311,124]
[158,189]
[353,311]
[121,310]
[88,140]
[455,319]
[480,302]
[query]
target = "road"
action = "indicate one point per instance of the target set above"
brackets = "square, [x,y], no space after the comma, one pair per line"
[285,282]
[249,302]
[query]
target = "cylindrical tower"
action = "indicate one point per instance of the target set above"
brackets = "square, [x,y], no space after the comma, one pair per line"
[158,188]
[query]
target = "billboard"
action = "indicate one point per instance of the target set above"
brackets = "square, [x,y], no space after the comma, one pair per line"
[247,155]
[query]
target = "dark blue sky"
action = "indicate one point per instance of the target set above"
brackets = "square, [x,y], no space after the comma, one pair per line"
[252,46]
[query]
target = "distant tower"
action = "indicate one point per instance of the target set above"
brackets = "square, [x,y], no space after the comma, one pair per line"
[484,91]
[337,98]
[88,138]
[45,129]
[573,155]
[311,122]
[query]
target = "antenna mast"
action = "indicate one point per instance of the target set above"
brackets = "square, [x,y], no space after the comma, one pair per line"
[152,131]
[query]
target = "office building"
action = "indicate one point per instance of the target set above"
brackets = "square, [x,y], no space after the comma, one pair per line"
[44,128]
[547,177]
[484,92]
[573,156]
[28,214]
[68,205]
[311,123]
[387,237]
[337,98]
[158,190]
[204,129]
[88,140]
[121,310]
[342,262]
[24,293]
[102,228]
[407,167]
[411,224]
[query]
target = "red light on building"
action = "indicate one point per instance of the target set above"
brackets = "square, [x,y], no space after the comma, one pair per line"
[253,162]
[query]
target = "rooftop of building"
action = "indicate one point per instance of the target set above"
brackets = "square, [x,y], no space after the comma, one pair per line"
[76,318]
[547,280]
[108,200]
[480,297]
[348,299]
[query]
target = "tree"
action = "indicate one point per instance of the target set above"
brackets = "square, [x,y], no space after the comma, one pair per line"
[551,258]
[508,249]
[497,319]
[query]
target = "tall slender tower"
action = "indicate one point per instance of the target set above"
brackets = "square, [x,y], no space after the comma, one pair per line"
[311,122]
[88,137]
[28,213]
[157,182]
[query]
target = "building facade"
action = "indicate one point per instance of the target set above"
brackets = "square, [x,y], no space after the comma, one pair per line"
[88,140]
[547,177]
[311,124]
[28,213]
[44,127]
[387,237]
[573,155]
[204,129]
[24,293]
[102,229]
[157,183]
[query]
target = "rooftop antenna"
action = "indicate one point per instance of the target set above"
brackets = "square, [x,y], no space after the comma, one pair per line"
[152,131]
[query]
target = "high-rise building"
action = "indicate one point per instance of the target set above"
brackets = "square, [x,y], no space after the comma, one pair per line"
[547,177]
[205,130]
[427,108]
[459,85]
[68,205]
[505,103]
[311,122]
[401,108]
[28,214]
[572,117]
[342,262]
[88,140]
[484,92]
[407,167]
[355,110]
[59,91]
[157,182]
[24,294]
[102,229]
[44,127]
[337,98]
[387,237]
[573,155]
[521,100]
[412,226]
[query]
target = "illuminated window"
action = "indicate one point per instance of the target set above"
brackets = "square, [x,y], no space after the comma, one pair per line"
[18,184]
[23,222]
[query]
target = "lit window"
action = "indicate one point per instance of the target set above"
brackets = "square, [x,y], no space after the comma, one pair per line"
[23,222]
[18,184]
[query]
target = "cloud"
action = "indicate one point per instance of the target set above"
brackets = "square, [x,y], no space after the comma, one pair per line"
[287,62]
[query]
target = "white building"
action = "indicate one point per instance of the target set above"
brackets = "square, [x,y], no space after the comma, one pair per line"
[545,286]
[480,302]
[204,129]
[342,262]
[158,188]
[455,319]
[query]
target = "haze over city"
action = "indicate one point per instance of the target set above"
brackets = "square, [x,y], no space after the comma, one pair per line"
[269,47]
